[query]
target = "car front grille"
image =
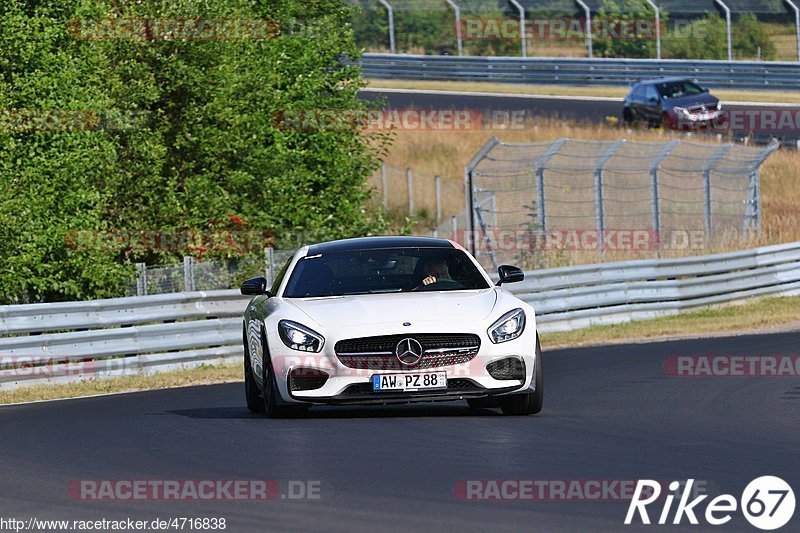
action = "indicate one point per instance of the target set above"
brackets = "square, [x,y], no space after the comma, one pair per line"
[378,353]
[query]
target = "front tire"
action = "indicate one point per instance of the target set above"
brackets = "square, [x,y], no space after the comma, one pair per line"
[529,403]
[254,402]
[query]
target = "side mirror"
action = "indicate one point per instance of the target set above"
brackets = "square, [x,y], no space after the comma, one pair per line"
[704,89]
[255,287]
[509,274]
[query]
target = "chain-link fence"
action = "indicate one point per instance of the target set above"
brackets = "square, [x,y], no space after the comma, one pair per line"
[195,275]
[606,196]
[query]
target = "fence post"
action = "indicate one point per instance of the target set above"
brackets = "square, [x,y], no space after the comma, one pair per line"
[522,35]
[459,37]
[438,184]
[469,241]
[390,12]
[141,279]
[589,42]
[539,166]
[188,273]
[454,228]
[598,192]
[269,256]
[654,166]
[384,181]
[707,169]
[410,180]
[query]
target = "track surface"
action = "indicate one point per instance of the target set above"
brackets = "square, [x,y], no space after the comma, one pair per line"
[610,413]
[577,109]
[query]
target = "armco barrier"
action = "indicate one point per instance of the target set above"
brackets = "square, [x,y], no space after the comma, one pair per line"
[61,342]
[782,76]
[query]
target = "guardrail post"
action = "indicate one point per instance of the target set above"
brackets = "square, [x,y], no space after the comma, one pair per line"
[188,273]
[589,40]
[390,11]
[598,191]
[437,181]
[459,37]
[539,166]
[796,23]
[522,35]
[654,166]
[707,169]
[410,180]
[141,279]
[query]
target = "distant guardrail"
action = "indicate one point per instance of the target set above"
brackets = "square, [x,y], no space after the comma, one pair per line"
[781,76]
[74,341]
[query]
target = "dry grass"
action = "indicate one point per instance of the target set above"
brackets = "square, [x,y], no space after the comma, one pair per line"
[203,375]
[445,153]
[561,90]
[762,315]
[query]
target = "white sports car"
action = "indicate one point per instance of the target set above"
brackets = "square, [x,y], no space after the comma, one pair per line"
[381,320]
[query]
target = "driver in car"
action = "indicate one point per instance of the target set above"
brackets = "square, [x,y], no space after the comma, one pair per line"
[435,270]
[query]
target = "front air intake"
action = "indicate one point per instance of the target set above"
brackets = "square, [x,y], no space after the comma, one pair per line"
[506,369]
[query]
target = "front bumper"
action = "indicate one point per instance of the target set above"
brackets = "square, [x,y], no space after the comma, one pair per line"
[345,385]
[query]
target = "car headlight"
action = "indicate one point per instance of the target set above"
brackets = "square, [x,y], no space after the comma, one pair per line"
[298,337]
[719,106]
[508,327]
[682,110]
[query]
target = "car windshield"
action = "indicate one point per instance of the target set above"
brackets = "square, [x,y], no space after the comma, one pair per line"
[386,270]
[678,89]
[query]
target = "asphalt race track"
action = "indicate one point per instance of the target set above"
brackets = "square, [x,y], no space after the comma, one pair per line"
[611,413]
[578,109]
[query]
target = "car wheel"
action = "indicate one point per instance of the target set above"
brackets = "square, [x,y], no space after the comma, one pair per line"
[627,116]
[529,403]
[271,394]
[254,401]
[666,121]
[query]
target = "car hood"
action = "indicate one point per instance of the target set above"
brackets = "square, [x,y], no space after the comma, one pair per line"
[693,100]
[462,306]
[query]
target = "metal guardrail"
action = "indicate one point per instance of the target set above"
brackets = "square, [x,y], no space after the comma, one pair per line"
[782,76]
[62,342]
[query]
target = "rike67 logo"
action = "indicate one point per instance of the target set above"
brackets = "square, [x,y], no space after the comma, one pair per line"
[767,503]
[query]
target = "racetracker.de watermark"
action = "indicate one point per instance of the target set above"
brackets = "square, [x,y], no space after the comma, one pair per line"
[733,366]
[588,239]
[239,240]
[408,119]
[173,29]
[15,120]
[551,489]
[193,489]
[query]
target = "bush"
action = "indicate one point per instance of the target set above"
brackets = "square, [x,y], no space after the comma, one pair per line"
[199,137]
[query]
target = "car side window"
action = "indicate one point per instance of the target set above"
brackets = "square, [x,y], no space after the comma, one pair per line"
[651,93]
[279,278]
[638,93]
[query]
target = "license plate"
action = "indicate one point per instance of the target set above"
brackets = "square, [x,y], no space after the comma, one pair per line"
[409,382]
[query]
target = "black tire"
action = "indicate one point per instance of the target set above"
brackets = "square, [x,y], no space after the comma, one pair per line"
[252,396]
[627,116]
[529,403]
[270,393]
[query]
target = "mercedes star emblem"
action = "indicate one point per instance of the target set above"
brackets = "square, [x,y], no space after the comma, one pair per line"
[408,352]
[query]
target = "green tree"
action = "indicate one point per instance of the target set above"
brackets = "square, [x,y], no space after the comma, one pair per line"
[195,138]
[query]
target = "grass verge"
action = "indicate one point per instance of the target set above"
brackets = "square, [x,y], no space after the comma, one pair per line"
[755,315]
[561,90]
[203,375]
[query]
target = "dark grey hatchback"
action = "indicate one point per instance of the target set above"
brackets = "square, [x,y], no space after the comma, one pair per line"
[674,103]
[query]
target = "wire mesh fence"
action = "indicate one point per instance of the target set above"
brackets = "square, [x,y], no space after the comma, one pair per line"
[195,275]
[532,199]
